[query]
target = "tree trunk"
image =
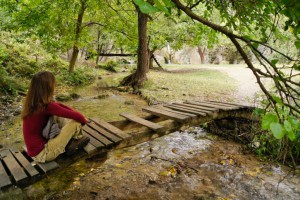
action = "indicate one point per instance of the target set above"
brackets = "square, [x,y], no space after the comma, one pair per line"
[137,79]
[151,56]
[73,58]
[201,52]
[98,48]
[77,35]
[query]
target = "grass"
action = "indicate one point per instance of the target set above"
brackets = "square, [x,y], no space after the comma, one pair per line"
[186,84]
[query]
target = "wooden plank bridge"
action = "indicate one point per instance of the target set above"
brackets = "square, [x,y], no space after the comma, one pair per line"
[16,168]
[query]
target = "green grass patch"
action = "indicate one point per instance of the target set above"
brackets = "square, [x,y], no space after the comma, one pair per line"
[180,86]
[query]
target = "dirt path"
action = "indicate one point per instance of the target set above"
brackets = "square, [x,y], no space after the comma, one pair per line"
[247,84]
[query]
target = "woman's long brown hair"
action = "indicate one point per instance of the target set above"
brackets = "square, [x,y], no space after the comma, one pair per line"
[40,93]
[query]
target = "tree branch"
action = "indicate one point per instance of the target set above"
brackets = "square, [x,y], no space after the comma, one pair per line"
[282,84]
[195,4]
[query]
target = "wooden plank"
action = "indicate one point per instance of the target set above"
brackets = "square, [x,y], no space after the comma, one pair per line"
[162,113]
[46,167]
[178,112]
[186,109]
[202,108]
[97,136]
[209,105]
[139,120]
[112,129]
[232,104]
[13,166]
[220,104]
[198,107]
[24,162]
[4,178]
[93,141]
[105,133]
[89,148]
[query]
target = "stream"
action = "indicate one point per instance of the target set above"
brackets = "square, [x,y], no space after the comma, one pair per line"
[190,164]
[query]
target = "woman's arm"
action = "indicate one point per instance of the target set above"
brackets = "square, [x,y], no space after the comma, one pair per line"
[62,110]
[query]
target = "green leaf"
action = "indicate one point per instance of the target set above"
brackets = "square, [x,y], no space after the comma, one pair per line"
[258,111]
[277,99]
[161,7]
[274,62]
[297,44]
[277,130]
[169,3]
[291,136]
[293,122]
[290,133]
[247,37]
[267,120]
[255,45]
[146,7]
[287,126]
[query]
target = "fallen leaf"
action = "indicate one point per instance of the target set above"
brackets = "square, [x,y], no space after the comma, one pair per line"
[165,173]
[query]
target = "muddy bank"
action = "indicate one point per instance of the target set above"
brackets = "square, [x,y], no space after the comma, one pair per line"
[182,165]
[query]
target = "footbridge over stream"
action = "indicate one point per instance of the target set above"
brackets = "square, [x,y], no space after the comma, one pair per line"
[16,168]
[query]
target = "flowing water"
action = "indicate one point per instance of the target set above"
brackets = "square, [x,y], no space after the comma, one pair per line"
[182,165]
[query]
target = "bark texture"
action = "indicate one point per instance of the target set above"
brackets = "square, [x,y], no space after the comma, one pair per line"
[137,79]
[77,36]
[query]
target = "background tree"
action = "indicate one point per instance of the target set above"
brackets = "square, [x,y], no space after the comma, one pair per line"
[60,25]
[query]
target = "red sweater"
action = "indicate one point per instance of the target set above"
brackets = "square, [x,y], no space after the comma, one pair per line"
[33,125]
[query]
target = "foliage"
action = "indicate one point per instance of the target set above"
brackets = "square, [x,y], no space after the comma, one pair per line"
[282,139]
[79,77]
[9,85]
[109,66]
[19,62]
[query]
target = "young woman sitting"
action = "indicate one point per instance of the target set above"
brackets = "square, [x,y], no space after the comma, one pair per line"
[39,107]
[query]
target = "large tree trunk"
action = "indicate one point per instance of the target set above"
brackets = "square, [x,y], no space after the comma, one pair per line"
[77,35]
[201,52]
[137,79]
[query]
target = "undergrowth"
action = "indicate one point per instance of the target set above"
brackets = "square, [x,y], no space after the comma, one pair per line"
[21,58]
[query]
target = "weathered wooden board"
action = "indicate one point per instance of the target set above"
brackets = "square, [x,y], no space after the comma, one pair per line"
[24,162]
[202,108]
[97,136]
[89,148]
[233,104]
[195,108]
[112,129]
[219,104]
[13,166]
[178,112]
[139,120]
[210,105]
[188,110]
[166,114]
[105,133]
[4,178]
[47,167]
[93,141]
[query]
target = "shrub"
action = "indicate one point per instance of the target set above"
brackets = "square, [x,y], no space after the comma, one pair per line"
[109,66]
[281,136]
[79,77]
[8,85]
